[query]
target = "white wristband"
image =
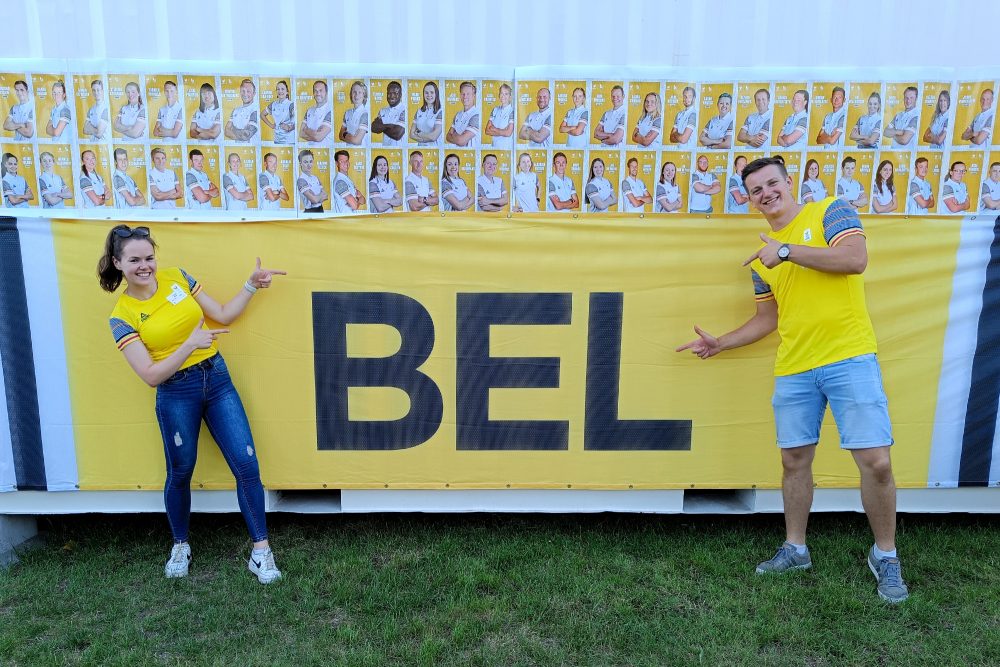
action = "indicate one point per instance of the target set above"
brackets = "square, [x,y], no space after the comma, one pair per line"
[250,288]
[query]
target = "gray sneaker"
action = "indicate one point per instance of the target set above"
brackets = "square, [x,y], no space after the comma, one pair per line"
[785,560]
[891,586]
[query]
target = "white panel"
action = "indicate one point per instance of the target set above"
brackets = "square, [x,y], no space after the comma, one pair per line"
[8,475]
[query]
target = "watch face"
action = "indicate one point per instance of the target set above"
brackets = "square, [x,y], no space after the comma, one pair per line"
[783,252]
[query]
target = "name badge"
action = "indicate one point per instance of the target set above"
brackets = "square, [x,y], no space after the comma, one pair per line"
[177,294]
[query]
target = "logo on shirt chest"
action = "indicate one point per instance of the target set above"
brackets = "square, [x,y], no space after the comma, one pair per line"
[807,235]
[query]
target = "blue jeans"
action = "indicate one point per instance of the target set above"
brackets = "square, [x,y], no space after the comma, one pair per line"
[205,391]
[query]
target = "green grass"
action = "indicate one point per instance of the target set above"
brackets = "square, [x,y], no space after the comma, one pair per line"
[501,590]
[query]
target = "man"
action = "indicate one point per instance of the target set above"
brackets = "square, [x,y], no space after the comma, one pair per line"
[989,196]
[686,123]
[491,193]
[831,135]
[979,130]
[537,128]
[242,124]
[756,130]
[21,119]
[808,285]
[416,187]
[200,189]
[464,130]
[737,200]
[164,188]
[954,193]
[391,120]
[610,131]
[849,188]
[318,121]
[718,132]
[704,184]
[561,189]
[919,199]
[903,128]
[98,115]
[169,119]
[346,198]
[272,190]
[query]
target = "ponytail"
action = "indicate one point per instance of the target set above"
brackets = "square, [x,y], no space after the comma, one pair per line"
[109,275]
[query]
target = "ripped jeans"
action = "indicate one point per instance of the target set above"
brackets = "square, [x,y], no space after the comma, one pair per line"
[205,391]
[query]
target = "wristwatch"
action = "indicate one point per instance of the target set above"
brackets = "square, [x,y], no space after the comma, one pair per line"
[783,252]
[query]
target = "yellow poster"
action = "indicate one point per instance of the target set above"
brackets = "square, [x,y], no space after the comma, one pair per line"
[426,112]
[462,114]
[166,110]
[93,183]
[277,110]
[498,118]
[564,181]
[387,108]
[53,109]
[680,114]
[534,107]
[791,116]
[571,120]
[239,170]
[240,112]
[493,183]
[93,117]
[974,113]
[717,129]
[458,181]
[276,180]
[753,121]
[314,110]
[828,125]
[923,195]
[20,177]
[644,126]
[350,112]
[988,197]
[608,113]
[129,112]
[314,174]
[818,178]
[707,180]
[385,181]
[202,111]
[959,182]
[601,190]
[890,181]
[55,176]
[936,113]
[128,176]
[638,182]
[203,186]
[737,198]
[18,108]
[166,176]
[854,178]
[901,115]
[864,116]
[529,181]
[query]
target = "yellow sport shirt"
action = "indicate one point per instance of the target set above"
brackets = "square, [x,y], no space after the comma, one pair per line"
[164,321]
[822,317]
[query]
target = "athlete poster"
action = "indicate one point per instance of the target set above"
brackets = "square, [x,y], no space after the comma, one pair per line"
[717,117]
[637,182]
[708,178]
[53,109]
[828,122]
[644,125]
[129,112]
[791,116]
[166,177]
[385,181]
[239,190]
[240,111]
[93,115]
[18,107]
[351,115]
[128,176]
[864,116]
[571,119]
[974,114]
[681,112]
[277,110]
[93,183]
[937,113]
[499,121]
[202,110]
[276,180]
[753,121]
[20,175]
[901,115]
[55,177]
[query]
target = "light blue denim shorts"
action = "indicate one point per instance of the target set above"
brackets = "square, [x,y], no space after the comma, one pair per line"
[852,387]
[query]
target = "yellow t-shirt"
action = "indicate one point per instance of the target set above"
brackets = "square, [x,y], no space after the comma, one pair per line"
[164,321]
[822,317]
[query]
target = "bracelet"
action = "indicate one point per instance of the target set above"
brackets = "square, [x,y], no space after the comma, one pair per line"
[250,288]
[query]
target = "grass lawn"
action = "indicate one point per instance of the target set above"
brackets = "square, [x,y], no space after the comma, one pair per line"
[501,590]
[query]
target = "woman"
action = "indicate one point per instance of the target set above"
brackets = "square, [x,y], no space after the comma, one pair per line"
[51,185]
[526,190]
[272,190]
[500,125]
[599,193]
[126,191]
[455,194]
[354,130]
[937,133]
[159,325]
[235,186]
[16,191]
[206,124]
[668,194]
[310,189]
[60,119]
[561,191]
[429,119]
[92,188]
[575,124]
[868,130]
[884,193]
[648,129]
[813,189]
[131,119]
[383,195]
[279,115]
[635,195]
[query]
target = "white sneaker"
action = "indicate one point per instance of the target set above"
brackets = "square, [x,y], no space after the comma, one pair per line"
[263,566]
[180,560]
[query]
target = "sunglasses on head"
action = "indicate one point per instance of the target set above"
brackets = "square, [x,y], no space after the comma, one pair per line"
[124,232]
